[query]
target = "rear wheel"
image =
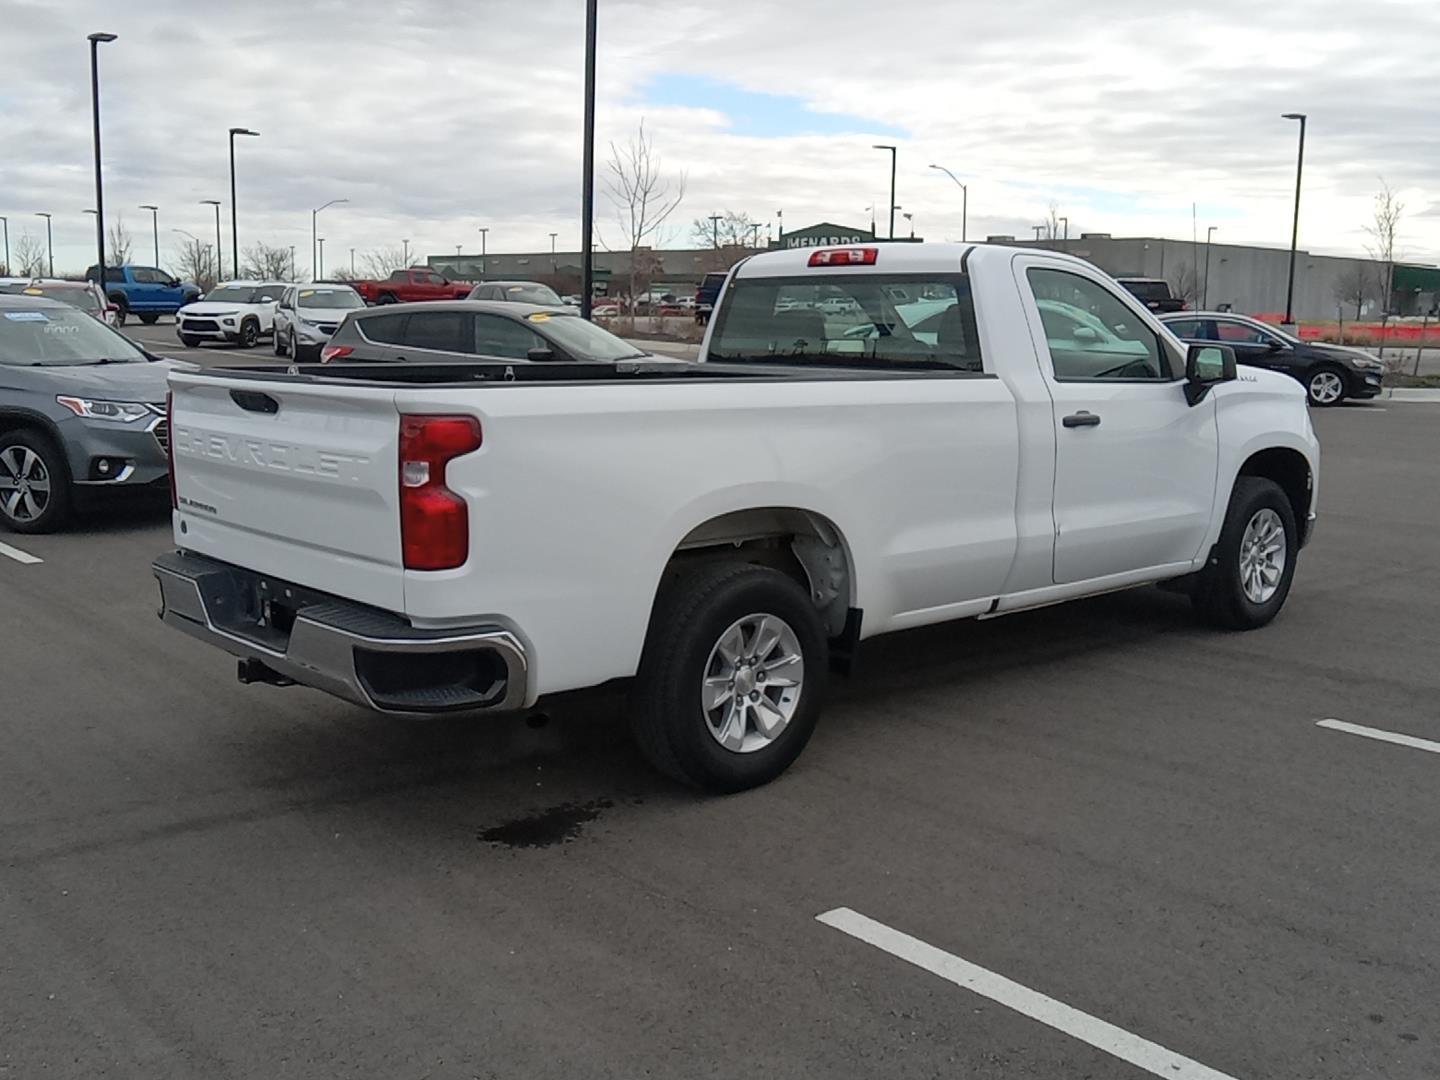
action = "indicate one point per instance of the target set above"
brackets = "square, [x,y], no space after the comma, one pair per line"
[386,298]
[731,681]
[122,309]
[1325,387]
[149,318]
[34,483]
[277,343]
[1248,577]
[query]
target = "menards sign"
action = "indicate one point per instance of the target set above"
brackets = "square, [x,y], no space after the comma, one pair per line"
[825,234]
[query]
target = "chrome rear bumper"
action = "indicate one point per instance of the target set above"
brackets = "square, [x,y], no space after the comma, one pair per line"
[371,657]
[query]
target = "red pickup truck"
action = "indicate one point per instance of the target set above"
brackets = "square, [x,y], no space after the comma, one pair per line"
[416,283]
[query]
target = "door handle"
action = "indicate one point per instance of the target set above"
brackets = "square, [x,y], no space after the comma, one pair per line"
[1081,419]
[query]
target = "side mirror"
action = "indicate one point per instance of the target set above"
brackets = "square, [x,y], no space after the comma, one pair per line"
[540,352]
[1206,365]
[1274,345]
[1086,334]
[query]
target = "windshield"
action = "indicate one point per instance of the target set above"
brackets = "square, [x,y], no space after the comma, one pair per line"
[853,320]
[583,340]
[232,294]
[59,336]
[329,298]
[531,293]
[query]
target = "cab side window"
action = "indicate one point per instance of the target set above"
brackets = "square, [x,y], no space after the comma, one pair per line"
[1234,333]
[1092,335]
[496,335]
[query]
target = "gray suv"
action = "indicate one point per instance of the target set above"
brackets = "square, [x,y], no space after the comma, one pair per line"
[82,413]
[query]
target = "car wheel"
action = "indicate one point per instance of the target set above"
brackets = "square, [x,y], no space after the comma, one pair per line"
[1325,387]
[386,298]
[34,483]
[249,334]
[277,342]
[190,341]
[149,319]
[122,310]
[1248,577]
[732,677]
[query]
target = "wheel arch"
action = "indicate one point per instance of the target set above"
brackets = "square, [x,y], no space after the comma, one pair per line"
[1288,468]
[13,419]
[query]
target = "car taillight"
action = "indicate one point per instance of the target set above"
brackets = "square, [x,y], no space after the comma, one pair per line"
[170,446]
[844,257]
[434,521]
[334,352]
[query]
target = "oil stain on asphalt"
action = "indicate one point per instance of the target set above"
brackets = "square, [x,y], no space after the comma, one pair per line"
[546,828]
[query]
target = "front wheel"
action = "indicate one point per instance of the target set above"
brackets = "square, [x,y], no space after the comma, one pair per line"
[190,341]
[1248,577]
[249,334]
[34,483]
[149,319]
[732,677]
[1325,387]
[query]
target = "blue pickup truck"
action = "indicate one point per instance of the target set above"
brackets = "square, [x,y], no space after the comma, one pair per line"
[146,291]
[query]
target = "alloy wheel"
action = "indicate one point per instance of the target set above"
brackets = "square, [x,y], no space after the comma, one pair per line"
[24,484]
[752,683]
[1262,556]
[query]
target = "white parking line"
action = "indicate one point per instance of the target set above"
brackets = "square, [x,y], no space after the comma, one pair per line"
[1115,1041]
[1380,735]
[18,555]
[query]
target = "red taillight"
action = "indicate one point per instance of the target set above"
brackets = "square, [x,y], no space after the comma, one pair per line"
[170,446]
[844,257]
[434,521]
[334,352]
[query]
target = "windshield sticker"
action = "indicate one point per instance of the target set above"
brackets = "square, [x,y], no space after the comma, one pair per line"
[33,292]
[27,316]
[538,316]
[306,292]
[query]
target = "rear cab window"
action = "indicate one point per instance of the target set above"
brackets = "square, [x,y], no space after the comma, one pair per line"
[868,321]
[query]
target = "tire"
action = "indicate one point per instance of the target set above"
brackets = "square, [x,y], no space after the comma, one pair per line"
[1325,386]
[249,334]
[304,354]
[386,298]
[149,319]
[1222,596]
[32,457]
[277,343]
[122,309]
[190,341]
[696,615]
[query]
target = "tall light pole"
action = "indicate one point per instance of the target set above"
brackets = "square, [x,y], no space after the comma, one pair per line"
[320,274]
[313,215]
[964,199]
[96,40]
[554,268]
[1065,223]
[352,262]
[715,220]
[50,240]
[1038,230]
[405,252]
[780,227]
[155,228]
[234,222]
[484,230]
[587,170]
[879,146]
[215,203]
[1295,228]
[6,223]
[1205,289]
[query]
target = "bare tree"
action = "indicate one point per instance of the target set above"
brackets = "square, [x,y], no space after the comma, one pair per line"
[731,230]
[263,262]
[1355,286]
[1185,283]
[28,256]
[642,195]
[196,262]
[381,262]
[1384,229]
[1052,230]
[118,243]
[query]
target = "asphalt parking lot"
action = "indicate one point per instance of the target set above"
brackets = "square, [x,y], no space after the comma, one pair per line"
[1103,803]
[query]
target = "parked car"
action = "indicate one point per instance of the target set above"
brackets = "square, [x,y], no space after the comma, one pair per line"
[85,295]
[146,291]
[521,292]
[1329,373]
[462,331]
[746,520]
[238,312]
[1154,293]
[82,413]
[416,283]
[706,295]
[308,316]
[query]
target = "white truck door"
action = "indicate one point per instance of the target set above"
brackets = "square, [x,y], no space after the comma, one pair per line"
[1135,464]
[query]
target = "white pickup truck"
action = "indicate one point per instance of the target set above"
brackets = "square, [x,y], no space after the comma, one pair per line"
[876,438]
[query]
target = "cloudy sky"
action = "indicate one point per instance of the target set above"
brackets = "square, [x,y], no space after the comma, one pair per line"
[435,118]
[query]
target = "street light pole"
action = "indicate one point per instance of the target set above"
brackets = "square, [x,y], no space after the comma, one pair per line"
[484,234]
[96,40]
[1065,223]
[6,223]
[320,274]
[1038,230]
[352,262]
[234,222]
[405,253]
[715,220]
[554,269]
[780,227]
[964,199]
[879,146]
[154,225]
[218,260]
[313,215]
[49,239]
[1205,289]
[1295,228]
[587,167]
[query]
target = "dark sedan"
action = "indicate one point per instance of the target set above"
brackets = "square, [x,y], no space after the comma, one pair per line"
[82,412]
[1329,373]
[468,330]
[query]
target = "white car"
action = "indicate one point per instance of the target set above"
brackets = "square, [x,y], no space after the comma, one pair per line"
[749,519]
[240,312]
[309,314]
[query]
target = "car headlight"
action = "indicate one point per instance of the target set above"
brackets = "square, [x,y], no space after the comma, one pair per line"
[121,411]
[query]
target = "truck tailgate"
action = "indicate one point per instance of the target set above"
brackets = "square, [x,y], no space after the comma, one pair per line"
[295,480]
